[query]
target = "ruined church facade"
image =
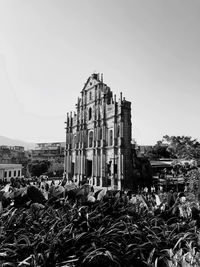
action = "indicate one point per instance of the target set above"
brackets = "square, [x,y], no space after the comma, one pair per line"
[98,137]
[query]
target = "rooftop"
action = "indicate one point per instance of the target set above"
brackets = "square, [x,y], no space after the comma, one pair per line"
[10,166]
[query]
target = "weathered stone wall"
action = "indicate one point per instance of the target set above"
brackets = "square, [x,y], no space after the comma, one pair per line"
[98,136]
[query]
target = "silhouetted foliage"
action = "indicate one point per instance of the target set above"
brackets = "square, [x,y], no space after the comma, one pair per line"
[159,151]
[38,168]
[142,172]
[55,169]
[182,147]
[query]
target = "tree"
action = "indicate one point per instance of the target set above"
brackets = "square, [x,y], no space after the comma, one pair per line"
[158,151]
[142,173]
[56,169]
[38,168]
[194,182]
[183,147]
[175,147]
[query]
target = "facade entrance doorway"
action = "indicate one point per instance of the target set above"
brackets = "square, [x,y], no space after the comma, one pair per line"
[72,174]
[89,168]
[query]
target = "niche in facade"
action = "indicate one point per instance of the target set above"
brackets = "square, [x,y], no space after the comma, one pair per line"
[90,114]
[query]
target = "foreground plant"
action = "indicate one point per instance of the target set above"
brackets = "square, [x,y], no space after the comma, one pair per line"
[105,233]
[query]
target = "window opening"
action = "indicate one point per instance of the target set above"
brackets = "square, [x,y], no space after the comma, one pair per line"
[90,113]
[111,138]
[90,138]
[89,168]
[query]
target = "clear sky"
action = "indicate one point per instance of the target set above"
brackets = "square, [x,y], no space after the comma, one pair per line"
[148,49]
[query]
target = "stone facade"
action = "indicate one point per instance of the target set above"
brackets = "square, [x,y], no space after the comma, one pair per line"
[98,137]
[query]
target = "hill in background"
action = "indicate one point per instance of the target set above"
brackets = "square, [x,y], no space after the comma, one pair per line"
[5,141]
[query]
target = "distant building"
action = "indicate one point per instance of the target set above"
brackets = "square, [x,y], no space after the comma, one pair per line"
[49,151]
[98,137]
[12,148]
[8,171]
[12,154]
[17,148]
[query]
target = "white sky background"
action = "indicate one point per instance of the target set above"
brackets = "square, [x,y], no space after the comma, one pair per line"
[149,50]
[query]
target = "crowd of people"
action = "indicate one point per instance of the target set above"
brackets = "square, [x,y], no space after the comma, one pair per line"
[23,192]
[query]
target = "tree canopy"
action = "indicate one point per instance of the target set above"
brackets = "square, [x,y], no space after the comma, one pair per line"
[158,151]
[181,147]
[38,168]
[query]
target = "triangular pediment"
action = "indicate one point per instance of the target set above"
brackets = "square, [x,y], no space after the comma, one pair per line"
[93,80]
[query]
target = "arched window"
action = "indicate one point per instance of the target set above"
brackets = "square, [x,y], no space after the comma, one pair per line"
[90,138]
[111,138]
[90,114]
